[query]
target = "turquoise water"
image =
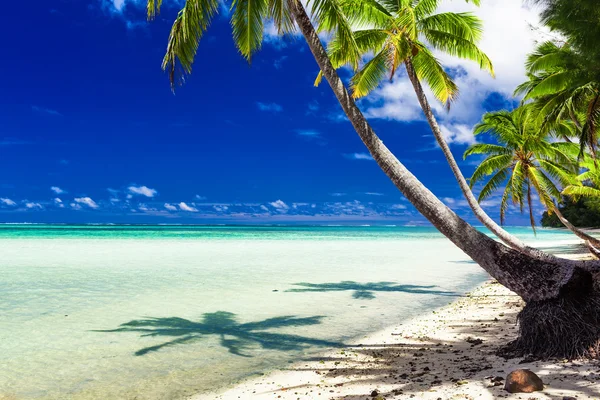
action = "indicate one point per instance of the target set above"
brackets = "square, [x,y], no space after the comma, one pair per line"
[162,312]
[245,232]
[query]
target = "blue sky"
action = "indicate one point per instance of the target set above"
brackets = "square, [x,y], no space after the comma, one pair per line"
[90,131]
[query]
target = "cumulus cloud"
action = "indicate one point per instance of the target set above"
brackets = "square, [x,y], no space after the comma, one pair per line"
[142,191]
[87,201]
[272,107]
[57,190]
[458,133]
[184,207]
[59,202]
[7,202]
[279,205]
[201,198]
[32,205]
[170,207]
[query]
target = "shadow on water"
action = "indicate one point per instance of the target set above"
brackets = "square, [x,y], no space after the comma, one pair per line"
[365,291]
[235,337]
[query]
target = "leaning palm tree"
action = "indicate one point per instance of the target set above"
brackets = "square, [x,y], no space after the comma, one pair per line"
[524,162]
[565,86]
[392,33]
[557,287]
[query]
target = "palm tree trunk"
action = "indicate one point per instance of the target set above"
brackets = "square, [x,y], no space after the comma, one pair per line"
[532,278]
[481,215]
[562,291]
[590,240]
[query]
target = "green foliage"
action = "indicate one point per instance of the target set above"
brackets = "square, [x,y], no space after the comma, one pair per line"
[247,23]
[583,213]
[564,77]
[388,33]
[524,160]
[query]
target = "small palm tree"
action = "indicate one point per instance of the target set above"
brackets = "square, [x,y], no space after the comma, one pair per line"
[523,161]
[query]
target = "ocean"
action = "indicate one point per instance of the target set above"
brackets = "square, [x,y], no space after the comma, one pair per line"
[163,312]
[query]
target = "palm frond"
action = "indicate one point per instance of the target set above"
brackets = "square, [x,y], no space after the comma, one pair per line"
[578,191]
[485,148]
[430,70]
[458,47]
[493,184]
[489,166]
[187,30]
[153,8]
[331,18]
[370,75]
[465,26]
[247,25]
[281,16]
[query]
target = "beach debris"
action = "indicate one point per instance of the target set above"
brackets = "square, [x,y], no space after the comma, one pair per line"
[474,342]
[523,381]
[374,393]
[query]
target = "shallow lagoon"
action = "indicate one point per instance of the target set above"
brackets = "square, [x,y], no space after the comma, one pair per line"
[164,312]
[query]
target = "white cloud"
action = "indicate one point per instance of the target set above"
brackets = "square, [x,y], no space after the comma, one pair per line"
[7,202]
[359,156]
[373,194]
[32,205]
[170,207]
[279,205]
[87,201]
[458,133]
[264,208]
[221,208]
[201,198]
[185,207]
[57,190]
[337,194]
[142,191]
[272,107]
[59,202]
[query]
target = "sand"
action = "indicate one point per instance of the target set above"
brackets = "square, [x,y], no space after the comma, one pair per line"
[447,354]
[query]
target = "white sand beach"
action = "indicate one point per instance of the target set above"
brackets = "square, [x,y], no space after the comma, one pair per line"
[446,354]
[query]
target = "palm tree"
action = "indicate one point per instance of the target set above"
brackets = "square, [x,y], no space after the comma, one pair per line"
[524,161]
[403,32]
[564,87]
[549,284]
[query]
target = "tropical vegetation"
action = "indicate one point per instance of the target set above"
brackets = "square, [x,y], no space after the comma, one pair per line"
[561,290]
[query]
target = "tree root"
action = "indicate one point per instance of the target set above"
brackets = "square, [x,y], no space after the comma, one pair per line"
[564,327]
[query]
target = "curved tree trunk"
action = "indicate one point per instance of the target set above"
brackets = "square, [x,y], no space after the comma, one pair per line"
[481,215]
[533,279]
[590,240]
[562,315]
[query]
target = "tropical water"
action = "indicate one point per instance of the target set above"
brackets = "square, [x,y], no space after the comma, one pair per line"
[162,312]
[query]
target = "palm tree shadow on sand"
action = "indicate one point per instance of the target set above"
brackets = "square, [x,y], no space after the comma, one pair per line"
[237,338]
[366,291]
